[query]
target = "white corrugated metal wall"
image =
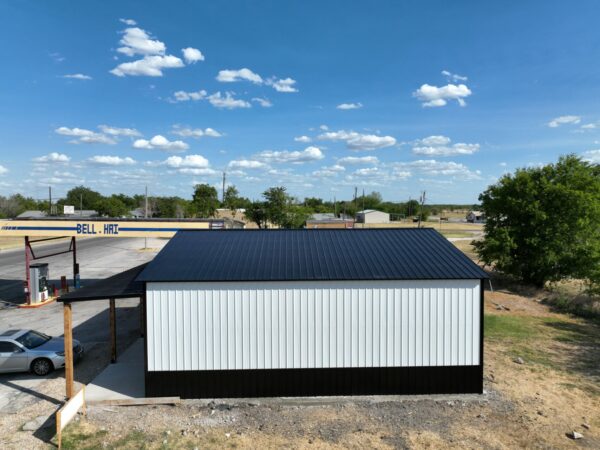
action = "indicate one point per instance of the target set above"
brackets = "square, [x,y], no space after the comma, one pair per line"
[321,324]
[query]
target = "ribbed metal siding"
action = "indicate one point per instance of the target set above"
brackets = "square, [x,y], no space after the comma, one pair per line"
[276,325]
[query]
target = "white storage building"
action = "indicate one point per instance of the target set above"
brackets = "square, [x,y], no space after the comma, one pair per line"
[372,216]
[247,313]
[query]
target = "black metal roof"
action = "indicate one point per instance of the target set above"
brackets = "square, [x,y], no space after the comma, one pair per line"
[318,254]
[121,285]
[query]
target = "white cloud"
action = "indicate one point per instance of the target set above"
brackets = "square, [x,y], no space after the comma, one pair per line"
[195,132]
[592,156]
[433,167]
[231,76]
[112,160]
[433,96]
[358,141]
[227,101]
[3,170]
[161,143]
[503,164]
[589,126]
[562,120]
[189,161]
[53,157]
[246,164]
[77,76]
[304,139]
[295,157]
[114,131]
[265,103]
[329,171]
[435,140]
[136,41]
[346,106]
[282,84]
[453,76]
[211,132]
[324,127]
[85,136]
[182,96]
[150,66]
[440,146]
[358,160]
[192,171]
[129,22]
[79,132]
[192,55]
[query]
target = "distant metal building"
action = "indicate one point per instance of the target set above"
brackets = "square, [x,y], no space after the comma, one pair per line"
[32,214]
[476,217]
[372,216]
[312,312]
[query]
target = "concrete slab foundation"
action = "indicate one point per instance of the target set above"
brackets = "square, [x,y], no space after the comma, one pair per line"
[122,380]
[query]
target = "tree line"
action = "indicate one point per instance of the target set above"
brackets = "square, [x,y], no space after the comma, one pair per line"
[276,206]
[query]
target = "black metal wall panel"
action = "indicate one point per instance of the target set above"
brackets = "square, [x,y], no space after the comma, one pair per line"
[316,382]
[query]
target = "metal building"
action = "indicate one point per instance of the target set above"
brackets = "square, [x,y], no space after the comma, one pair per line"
[312,312]
[372,216]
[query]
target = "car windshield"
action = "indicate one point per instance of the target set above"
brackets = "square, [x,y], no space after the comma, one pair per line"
[33,339]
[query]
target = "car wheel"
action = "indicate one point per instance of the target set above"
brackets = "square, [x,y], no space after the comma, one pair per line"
[41,367]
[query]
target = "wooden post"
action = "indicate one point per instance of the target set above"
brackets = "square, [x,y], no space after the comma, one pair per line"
[68,322]
[113,331]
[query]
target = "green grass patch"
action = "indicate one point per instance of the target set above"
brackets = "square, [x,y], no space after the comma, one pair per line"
[498,327]
[75,438]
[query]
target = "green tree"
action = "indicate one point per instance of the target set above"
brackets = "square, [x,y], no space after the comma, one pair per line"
[233,200]
[170,207]
[82,195]
[255,212]
[112,207]
[205,200]
[276,205]
[543,224]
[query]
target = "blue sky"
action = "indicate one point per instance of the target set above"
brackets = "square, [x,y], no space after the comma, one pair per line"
[395,97]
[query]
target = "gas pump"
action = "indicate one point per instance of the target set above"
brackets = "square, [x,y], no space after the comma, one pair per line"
[38,276]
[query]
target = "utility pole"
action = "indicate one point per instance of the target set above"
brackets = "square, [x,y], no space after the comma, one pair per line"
[363,199]
[334,207]
[146,216]
[224,177]
[50,200]
[421,207]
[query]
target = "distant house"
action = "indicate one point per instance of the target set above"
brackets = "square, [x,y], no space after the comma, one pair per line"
[476,217]
[137,213]
[372,216]
[32,214]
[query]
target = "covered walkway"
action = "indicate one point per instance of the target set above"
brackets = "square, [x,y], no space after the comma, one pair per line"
[119,286]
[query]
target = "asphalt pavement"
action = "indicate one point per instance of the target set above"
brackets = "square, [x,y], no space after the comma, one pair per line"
[98,258]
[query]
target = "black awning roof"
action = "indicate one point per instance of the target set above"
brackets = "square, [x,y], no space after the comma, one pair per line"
[121,285]
[304,255]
